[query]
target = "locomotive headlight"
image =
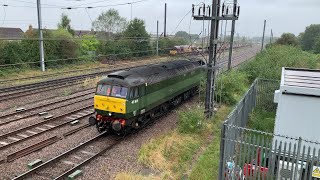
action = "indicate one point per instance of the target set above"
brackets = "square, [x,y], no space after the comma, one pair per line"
[110,114]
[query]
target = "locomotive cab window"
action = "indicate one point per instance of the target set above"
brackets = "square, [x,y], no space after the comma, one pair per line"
[103,90]
[118,91]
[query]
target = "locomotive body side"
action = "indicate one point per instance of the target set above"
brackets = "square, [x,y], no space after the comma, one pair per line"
[144,96]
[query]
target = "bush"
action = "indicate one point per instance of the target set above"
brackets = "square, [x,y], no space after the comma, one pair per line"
[231,86]
[269,63]
[118,47]
[190,120]
[262,120]
[11,53]
[88,43]
[288,39]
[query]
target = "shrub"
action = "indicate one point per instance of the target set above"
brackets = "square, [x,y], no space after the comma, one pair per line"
[231,86]
[269,63]
[288,39]
[11,53]
[262,120]
[88,43]
[191,120]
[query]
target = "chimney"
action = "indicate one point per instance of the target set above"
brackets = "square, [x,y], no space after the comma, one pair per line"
[30,27]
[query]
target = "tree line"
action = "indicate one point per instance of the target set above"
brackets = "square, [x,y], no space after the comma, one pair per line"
[309,40]
[111,35]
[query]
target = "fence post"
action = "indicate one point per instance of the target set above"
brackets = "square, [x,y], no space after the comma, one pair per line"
[222,145]
[297,160]
[255,95]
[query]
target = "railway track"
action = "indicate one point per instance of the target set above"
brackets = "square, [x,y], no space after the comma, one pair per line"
[61,166]
[22,134]
[29,89]
[70,161]
[35,110]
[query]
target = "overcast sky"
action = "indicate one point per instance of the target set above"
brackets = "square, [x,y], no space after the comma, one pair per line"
[281,15]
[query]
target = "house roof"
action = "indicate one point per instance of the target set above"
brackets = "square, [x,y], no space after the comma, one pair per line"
[10,32]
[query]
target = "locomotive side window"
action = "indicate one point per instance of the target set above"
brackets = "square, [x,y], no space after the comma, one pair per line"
[131,93]
[136,92]
[119,92]
[103,90]
[142,90]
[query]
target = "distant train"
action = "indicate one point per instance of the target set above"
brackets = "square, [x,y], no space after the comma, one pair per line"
[193,50]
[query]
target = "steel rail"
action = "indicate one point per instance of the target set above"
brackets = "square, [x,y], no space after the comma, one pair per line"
[67,79]
[71,81]
[45,105]
[45,121]
[35,113]
[55,159]
[65,174]
[41,132]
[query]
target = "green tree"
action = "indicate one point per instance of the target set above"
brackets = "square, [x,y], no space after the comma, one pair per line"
[110,21]
[308,38]
[288,39]
[138,37]
[186,36]
[65,24]
[67,47]
[317,46]
[88,43]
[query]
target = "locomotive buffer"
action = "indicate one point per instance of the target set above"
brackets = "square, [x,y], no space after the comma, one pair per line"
[214,17]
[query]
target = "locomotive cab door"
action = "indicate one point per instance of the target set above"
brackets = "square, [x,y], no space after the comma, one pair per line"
[142,99]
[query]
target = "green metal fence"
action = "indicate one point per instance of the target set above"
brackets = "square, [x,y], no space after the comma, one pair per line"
[250,154]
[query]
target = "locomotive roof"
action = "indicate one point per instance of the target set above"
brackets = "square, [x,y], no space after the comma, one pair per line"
[150,74]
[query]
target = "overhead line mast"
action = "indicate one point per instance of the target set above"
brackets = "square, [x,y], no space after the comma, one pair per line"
[214,17]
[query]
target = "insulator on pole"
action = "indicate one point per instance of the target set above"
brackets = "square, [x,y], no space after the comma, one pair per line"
[199,11]
[223,7]
[238,11]
[192,9]
[204,9]
[209,11]
[227,10]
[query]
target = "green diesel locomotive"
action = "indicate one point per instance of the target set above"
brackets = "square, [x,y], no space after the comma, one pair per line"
[128,99]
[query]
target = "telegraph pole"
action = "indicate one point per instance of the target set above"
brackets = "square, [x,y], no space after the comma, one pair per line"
[214,17]
[264,31]
[165,20]
[43,68]
[235,2]
[157,38]
[271,37]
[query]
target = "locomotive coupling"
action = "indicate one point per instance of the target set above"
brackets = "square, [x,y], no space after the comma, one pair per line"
[92,121]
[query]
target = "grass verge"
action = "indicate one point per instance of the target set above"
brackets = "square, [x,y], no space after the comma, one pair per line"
[207,165]
[262,120]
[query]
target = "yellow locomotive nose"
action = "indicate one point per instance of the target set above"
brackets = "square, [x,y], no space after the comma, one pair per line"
[111,104]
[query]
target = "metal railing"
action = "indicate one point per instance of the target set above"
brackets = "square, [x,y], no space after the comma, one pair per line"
[250,154]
